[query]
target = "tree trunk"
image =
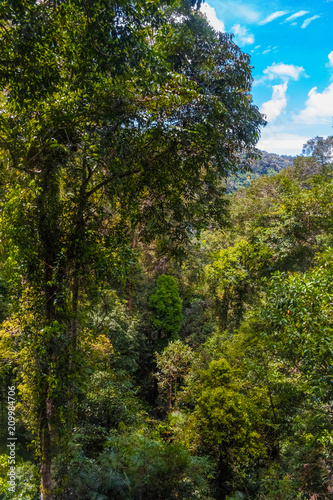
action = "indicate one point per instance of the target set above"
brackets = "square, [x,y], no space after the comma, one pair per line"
[130,282]
[46,477]
[46,451]
[48,204]
[223,310]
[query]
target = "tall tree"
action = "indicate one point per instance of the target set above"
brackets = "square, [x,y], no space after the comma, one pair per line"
[320,148]
[104,132]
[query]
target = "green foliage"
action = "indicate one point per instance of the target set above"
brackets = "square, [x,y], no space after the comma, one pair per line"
[108,316]
[298,324]
[109,402]
[281,360]
[120,123]
[289,213]
[136,467]
[166,306]
[222,420]
[268,164]
[107,131]
[232,278]
[26,480]
[280,385]
[321,149]
[172,366]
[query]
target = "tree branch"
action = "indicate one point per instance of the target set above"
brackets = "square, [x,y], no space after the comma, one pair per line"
[110,179]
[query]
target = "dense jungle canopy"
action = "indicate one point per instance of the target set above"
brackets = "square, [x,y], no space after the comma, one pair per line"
[165,339]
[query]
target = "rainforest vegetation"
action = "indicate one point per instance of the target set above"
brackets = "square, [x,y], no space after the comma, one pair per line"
[265,164]
[166,324]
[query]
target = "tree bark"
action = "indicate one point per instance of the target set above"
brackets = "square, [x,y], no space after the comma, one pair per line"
[130,282]
[46,451]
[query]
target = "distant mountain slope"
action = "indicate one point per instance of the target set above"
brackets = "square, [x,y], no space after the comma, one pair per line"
[269,164]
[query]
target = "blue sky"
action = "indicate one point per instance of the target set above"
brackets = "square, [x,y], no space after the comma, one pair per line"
[291,49]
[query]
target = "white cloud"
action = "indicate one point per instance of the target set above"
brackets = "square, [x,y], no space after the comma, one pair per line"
[258,46]
[211,16]
[246,13]
[330,60]
[266,51]
[284,71]
[281,143]
[242,35]
[308,21]
[273,108]
[318,107]
[281,71]
[273,16]
[296,15]
[239,9]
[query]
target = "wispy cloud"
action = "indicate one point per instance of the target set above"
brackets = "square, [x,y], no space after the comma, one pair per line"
[273,108]
[308,21]
[284,71]
[230,9]
[318,107]
[247,13]
[242,35]
[273,16]
[329,64]
[279,71]
[212,18]
[330,60]
[273,140]
[296,15]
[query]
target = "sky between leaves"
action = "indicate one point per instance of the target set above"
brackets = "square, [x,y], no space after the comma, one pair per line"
[291,47]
